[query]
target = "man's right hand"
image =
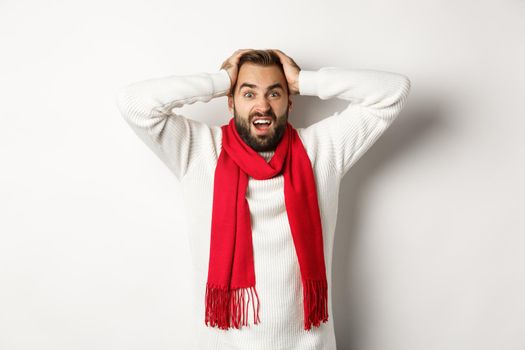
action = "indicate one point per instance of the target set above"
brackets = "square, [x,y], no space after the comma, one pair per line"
[231,65]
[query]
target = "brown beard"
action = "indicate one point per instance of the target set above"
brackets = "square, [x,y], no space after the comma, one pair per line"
[262,143]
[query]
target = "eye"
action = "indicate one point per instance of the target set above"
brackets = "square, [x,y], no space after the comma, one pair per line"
[275,93]
[248,93]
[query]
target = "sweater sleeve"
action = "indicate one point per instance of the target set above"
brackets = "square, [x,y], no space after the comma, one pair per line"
[376,98]
[147,107]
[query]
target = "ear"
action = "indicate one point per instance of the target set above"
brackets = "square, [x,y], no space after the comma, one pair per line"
[290,104]
[230,103]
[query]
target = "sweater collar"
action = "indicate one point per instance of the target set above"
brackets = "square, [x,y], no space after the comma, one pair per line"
[267,155]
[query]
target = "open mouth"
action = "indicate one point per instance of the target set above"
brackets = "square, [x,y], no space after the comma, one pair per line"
[262,123]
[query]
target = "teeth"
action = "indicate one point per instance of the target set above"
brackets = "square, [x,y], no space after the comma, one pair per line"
[260,121]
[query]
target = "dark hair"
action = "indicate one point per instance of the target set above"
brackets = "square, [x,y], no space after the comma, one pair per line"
[259,57]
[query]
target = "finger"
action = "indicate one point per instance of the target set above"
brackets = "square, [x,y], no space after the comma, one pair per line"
[237,54]
[287,59]
[281,55]
[279,52]
[242,51]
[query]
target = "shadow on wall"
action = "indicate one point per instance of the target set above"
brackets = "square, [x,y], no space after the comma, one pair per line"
[406,132]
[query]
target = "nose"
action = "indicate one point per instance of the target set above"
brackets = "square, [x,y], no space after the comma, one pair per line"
[262,105]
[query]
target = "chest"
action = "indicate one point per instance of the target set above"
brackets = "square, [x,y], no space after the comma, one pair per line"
[266,197]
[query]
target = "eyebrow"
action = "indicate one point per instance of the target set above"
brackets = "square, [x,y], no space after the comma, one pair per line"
[253,86]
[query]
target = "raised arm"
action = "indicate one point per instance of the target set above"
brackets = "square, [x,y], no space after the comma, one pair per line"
[147,107]
[376,98]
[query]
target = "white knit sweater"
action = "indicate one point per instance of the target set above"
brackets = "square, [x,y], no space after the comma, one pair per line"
[191,148]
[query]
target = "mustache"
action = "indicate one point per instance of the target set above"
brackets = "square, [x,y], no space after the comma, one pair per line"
[267,113]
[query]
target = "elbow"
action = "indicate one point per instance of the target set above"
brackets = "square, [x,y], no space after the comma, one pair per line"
[406,85]
[397,101]
[126,102]
[404,90]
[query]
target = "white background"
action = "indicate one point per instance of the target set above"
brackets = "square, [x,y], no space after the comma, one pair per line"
[430,237]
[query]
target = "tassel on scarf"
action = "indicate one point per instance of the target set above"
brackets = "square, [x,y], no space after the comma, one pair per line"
[315,297]
[229,308]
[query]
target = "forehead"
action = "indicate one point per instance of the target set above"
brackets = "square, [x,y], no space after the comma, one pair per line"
[260,75]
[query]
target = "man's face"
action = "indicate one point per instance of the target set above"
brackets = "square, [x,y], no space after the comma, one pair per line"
[261,94]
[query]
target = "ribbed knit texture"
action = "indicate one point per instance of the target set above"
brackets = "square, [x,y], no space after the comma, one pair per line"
[190,150]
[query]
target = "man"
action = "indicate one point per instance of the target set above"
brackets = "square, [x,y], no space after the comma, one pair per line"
[261,196]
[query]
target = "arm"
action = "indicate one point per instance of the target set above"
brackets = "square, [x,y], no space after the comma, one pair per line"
[376,98]
[147,108]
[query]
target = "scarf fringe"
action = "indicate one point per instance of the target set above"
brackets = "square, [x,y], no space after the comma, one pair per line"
[315,296]
[228,308]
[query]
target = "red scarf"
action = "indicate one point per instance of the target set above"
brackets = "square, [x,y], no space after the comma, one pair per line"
[231,273]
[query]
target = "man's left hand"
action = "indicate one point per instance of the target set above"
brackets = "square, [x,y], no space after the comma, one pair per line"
[291,71]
